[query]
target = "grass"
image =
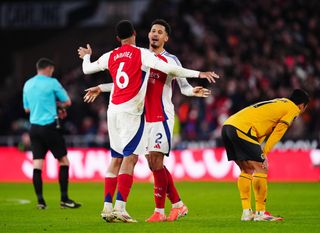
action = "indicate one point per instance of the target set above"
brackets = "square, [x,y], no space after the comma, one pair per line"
[213,207]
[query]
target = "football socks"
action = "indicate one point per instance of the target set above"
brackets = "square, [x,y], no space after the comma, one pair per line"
[259,183]
[244,186]
[63,181]
[110,185]
[124,186]
[160,187]
[37,184]
[172,192]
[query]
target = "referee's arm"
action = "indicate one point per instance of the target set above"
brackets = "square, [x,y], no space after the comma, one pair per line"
[25,102]
[65,104]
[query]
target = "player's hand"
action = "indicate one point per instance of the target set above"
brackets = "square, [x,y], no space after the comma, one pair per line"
[62,113]
[84,51]
[265,164]
[210,75]
[201,92]
[92,94]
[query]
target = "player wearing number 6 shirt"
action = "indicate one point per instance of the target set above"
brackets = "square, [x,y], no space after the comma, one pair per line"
[159,111]
[242,134]
[129,67]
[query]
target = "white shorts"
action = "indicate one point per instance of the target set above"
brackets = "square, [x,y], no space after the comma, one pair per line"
[125,134]
[159,136]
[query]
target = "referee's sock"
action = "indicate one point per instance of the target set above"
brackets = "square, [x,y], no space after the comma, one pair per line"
[37,184]
[244,186]
[260,188]
[63,181]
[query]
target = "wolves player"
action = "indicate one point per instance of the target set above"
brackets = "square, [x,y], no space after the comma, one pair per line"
[242,134]
[159,112]
[129,67]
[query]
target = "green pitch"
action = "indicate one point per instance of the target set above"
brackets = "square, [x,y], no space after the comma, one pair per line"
[213,207]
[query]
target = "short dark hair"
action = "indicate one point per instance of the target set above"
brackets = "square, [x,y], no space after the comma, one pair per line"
[124,29]
[43,63]
[299,96]
[163,23]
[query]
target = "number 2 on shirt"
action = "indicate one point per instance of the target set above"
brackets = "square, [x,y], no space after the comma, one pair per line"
[122,79]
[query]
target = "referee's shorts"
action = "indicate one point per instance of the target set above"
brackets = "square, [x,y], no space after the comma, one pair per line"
[47,137]
[239,149]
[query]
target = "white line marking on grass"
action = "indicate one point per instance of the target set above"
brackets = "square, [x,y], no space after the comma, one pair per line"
[17,201]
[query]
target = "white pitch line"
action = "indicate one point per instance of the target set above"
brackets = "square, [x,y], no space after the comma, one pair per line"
[17,201]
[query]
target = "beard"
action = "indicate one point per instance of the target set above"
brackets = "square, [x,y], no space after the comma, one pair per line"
[155,46]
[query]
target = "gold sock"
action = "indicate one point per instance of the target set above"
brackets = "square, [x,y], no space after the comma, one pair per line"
[260,189]
[244,186]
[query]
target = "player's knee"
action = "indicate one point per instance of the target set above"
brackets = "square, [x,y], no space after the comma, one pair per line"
[38,164]
[134,159]
[259,168]
[248,170]
[64,161]
[130,160]
[155,162]
[148,160]
[245,167]
[116,162]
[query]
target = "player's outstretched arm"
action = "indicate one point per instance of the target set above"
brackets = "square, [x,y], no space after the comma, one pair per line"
[89,67]
[149,60]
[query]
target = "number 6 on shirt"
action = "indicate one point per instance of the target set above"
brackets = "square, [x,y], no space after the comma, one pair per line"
[122,74]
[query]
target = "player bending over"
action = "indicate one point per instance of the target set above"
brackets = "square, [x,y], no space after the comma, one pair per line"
[244,132]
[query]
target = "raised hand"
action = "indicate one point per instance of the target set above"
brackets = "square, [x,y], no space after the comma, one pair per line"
[201,92]
[210,75]
[83,51]
[62,113]
[92,94]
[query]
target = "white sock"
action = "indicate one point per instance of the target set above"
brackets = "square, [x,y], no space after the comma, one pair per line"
[107,206]
[178,204]
[120,205]
[161,211]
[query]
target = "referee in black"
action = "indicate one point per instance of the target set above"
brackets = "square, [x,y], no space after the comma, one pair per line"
[45,99]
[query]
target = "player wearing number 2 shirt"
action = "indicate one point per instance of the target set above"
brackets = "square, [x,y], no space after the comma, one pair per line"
[129,67]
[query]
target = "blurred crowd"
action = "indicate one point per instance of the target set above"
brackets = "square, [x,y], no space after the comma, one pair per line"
[261,49]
